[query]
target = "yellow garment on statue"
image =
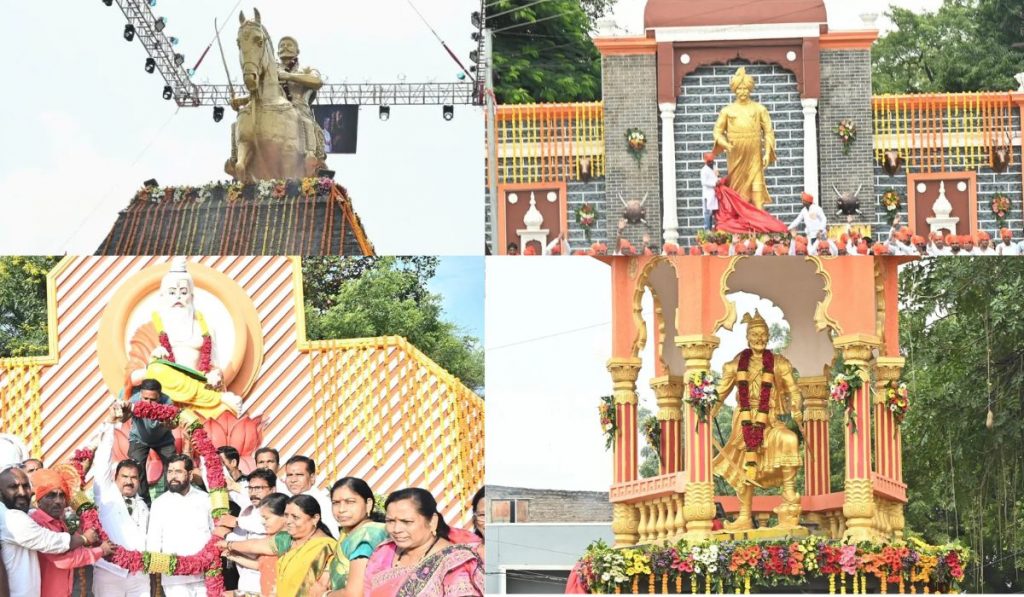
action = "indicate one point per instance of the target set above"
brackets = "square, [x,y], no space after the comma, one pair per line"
[744,125]
[185,391]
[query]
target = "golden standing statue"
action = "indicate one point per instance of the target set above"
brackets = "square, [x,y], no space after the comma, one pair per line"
[761,451]
[739,131]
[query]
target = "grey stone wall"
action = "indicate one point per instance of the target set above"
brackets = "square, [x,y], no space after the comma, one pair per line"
[553,505]
[989,185]
[845,94]
[630,92]
[704,93]
[592,192]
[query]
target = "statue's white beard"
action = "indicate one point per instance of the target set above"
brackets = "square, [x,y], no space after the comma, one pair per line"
[179,321]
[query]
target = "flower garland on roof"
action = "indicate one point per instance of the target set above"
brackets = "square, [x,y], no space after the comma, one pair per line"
[205,351]
[311,188]
[742,565]
[207,561]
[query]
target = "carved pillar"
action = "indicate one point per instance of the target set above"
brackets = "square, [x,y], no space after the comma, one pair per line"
[888,436]
[816,464]
[670,218]
[859,502]
[811,147]
[669,390]
[625,518]
[700,506]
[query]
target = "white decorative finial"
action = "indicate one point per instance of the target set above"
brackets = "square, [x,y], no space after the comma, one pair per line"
[533,218]
[869,19]
[1020,81]
[605,27]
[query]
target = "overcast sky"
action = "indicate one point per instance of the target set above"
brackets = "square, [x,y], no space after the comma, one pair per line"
[84,124]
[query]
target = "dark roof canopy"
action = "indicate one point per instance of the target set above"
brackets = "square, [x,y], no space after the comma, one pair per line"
[691,13]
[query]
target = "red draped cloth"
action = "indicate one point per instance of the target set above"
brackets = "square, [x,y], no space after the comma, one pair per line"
[737,216]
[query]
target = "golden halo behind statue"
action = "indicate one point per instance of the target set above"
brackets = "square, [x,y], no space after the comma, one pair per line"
[246,356]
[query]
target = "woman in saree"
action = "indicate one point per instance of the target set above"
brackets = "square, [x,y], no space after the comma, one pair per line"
[272,512]
[361,533]
[479,519]
[420,557]
[304,550]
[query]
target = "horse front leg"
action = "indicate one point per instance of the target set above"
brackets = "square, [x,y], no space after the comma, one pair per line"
[243,166]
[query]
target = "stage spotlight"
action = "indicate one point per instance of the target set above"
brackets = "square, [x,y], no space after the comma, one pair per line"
[474,18]
[159,24]
[129,32]
[108,2]
[173,40]
[474,56]
[475,35]
[384,112]
[151,184]
[179,59]
[168,92]
[152,2]
[218,113]
[150,65]
[448,112]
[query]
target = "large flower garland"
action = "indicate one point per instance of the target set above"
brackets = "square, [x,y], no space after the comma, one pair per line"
[897,400]
[844,387]
[753,424]
[701,393]
[740,565]
[636,143]
[205,351]
[609,420]
[1000,209]
[847,133]
[891,202]
[207,561]
[586,217]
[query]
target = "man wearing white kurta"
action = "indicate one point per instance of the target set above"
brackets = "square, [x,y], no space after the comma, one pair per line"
[180,523]
[1006,245]
[261,483]
[708,182]
[21,537]
[300,473]
[123,513]
[812,217]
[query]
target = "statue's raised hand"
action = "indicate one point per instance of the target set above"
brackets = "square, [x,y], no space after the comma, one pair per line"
[214,377]
[159,353]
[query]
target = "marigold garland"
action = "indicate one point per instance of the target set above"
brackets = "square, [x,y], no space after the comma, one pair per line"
[207,561]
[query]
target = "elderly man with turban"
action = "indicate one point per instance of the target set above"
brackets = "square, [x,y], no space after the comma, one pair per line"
[53,489]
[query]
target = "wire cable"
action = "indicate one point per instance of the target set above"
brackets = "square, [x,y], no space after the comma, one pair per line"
[443,44]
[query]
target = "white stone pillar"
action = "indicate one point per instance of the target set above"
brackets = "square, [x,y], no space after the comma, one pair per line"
[811,148]
[670,218]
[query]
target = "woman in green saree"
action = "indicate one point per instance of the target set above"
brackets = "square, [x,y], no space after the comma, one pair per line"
[305,549]
[361,532]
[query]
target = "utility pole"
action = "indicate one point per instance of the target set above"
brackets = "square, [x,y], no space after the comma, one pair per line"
[491,108]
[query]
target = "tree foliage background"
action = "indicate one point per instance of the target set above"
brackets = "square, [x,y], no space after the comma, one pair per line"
[543,51]
[348,297]
[966,45]
[23,305]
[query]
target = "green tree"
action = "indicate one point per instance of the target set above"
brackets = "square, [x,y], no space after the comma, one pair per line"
[23,330]
[964,46]
[962,333]
[543,51]
[389,298]
[650,466]
[323,277]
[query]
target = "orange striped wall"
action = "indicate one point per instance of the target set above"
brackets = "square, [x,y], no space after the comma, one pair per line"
[375,408]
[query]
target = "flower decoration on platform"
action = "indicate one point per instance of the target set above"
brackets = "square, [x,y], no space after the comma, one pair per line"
[736,566]
[847,132]
[586,217]
[701,393]
[609,422]
[891,201]
[897,400]
[636,143]
[1001,209]
[844,387]
[207,561]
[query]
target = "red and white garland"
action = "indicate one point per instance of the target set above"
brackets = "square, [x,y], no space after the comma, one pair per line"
[753,425]
[205,351]
[207,561]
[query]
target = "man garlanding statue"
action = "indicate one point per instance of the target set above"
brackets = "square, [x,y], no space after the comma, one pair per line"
[761,451]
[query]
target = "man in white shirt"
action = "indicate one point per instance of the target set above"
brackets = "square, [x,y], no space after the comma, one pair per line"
[812,217]
[21,537]
[1006,245]
[984,244]
[180,523]
[300,473]
[270,459]
[123,513]
[708,182]
[262,482]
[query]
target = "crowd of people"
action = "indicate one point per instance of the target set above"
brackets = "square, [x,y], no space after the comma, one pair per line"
[287,538]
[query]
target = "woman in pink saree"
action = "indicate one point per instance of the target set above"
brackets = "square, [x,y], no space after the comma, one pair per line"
[423,556]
